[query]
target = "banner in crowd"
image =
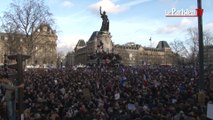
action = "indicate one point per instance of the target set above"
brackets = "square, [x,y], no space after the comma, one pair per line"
[210,111]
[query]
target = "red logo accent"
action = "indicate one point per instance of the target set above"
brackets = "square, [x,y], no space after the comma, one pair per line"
[199,12]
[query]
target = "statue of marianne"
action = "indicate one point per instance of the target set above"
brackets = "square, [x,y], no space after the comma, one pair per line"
[105,22]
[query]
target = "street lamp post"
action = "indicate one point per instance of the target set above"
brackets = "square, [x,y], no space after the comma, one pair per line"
[200,33]
[201,94]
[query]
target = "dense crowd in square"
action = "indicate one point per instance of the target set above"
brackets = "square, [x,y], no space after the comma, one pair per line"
[115,93]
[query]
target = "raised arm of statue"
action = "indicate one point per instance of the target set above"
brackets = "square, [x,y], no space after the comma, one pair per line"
[100,10]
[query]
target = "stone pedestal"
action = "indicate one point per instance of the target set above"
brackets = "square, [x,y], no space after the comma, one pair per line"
[105,38]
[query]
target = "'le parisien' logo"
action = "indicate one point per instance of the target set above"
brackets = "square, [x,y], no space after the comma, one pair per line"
[184,13]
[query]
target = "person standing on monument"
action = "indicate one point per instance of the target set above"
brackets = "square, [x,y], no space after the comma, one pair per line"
[105,22]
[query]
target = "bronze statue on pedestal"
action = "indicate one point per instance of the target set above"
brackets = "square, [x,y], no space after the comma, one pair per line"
[105,22]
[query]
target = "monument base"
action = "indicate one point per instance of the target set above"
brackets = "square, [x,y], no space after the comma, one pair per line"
[104,32]
[104,41]
[104,51]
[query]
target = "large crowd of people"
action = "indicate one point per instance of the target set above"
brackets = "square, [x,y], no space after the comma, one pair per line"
[115,93]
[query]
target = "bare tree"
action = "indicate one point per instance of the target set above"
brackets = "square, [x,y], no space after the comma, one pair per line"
[208,38]
[179,48]
[23,19]
[181,53]
[193,42]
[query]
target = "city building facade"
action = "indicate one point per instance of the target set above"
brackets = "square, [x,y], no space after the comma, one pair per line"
[45,52]
[131,53]
[208,55]
[70,59]
[2,47]
[42,48]
[135,54]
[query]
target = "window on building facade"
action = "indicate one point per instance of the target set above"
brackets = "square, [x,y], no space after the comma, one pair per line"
[45,29]
[130,56]
[35,62]
[2,37]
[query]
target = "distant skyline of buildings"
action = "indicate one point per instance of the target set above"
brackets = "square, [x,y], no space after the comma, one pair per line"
[130,53]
